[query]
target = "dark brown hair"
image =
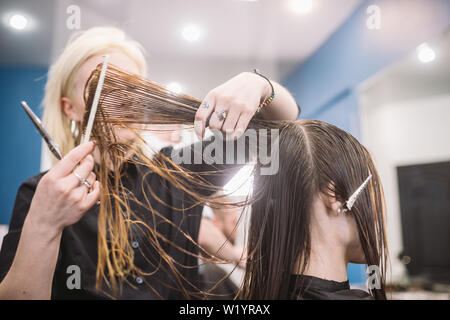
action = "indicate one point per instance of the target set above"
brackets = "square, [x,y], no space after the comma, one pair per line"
[314,157]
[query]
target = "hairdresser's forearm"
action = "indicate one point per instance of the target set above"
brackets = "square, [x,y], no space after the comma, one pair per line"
[283,106]
[223,249]
[31,273]
[215,243]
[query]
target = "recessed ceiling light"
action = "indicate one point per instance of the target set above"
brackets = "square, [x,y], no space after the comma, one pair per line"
[425,53]
[174,87]
[191,33]
[301,6]
[18,22]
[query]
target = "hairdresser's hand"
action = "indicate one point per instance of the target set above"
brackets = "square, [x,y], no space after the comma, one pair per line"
[239,98]
[60,200]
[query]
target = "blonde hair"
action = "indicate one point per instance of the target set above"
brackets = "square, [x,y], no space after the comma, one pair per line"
[81,46]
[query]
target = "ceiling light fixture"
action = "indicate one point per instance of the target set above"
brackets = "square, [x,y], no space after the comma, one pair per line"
[425,53]
[301,6]
[191,33]
[18,22]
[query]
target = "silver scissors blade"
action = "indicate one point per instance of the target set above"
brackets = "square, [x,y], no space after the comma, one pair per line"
[38,124]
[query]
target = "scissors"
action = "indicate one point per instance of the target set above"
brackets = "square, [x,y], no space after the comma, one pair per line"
[38,124]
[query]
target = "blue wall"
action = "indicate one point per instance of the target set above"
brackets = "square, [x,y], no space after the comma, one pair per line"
[325,85]
[21,143]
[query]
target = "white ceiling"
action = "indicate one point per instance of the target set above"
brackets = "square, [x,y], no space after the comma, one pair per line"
[408,79]
[265,29]
[237,35]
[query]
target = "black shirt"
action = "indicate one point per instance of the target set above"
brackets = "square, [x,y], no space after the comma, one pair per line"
[79,241]
[312,288]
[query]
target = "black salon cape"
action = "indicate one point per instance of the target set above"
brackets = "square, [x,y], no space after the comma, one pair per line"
[79,241]
[313,288]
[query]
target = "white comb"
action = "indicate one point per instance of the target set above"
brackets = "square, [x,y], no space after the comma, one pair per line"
[98,91]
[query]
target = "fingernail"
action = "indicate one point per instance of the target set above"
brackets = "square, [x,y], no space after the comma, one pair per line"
[198,128]
[237,134]
[229,134]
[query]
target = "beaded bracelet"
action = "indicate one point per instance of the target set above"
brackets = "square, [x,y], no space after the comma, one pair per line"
[270,98]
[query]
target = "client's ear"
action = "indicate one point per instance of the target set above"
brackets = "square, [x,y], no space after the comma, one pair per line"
[70,110]
[335,205]
[330,199]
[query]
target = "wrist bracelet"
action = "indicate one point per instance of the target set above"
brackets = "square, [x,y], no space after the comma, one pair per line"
[270,98]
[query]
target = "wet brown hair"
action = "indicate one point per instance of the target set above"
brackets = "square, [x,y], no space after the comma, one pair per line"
[313,156]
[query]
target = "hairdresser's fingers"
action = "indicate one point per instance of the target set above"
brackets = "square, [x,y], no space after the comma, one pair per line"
[84,189]
[230,122]
[228,106]
[218,117]
[85,167]
[92,197]
[203,114]
[91,178]
[80,172]
[242,124]
[68,162]
[75,197]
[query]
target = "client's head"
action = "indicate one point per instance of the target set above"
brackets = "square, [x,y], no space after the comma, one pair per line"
[296,221]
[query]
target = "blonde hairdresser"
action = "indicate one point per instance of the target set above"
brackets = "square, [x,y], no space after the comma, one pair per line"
[60,199]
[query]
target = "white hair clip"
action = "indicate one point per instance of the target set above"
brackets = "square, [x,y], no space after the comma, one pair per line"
[351,201]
